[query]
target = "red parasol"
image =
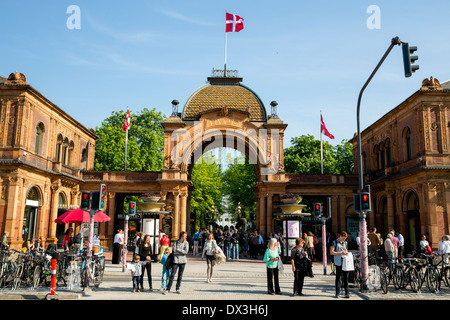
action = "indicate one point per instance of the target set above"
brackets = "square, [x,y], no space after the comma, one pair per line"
[80,216]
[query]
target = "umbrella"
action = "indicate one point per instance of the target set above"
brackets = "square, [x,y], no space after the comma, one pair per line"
[80,216]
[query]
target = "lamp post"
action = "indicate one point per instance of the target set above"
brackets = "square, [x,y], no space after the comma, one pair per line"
[362,213]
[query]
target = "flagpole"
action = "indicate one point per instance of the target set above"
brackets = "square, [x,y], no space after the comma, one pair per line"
[126,146]
[225,61]
[321,145]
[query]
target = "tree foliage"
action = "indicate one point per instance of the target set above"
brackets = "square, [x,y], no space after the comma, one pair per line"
[145,142]
[303,157]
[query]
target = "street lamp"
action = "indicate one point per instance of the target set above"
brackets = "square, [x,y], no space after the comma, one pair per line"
[362,213]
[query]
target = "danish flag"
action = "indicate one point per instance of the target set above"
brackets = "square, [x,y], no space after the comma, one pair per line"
[324,130]
[234,23]
[127,123]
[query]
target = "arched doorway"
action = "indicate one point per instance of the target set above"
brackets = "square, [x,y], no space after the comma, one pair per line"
[30,218]
[224,113]
[410,207]
[62,207]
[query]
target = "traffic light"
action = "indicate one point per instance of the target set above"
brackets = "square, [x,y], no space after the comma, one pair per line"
[85,200]
[317,209]
[101,205]
[131,207]
[365,201]
[95,200]
[408,59]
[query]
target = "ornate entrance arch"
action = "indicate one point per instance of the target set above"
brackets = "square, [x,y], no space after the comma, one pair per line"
[223,113]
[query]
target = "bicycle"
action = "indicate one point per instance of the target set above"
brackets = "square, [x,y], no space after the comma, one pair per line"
[434,276]
[92,272]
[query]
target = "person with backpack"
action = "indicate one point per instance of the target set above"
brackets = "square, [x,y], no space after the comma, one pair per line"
[339,248]
[180,250]
[196,238]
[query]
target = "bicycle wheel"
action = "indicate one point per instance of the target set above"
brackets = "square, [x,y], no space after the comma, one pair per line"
[397,277]
[446,276]
[36,277]
[61,274]
[414,279]
[17,277]
[432,277]
[99,271]
[384,282]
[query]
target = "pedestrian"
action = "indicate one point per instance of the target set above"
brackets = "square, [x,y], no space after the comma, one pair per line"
[67,240]
[220,239]
[145,253]
[401,245]
[272,259]
[396,243]
[136,272]
[227,244]
[137,242]
[5,244]
[180,250]
[196,239]
[209,250]
[389,249]
[338,249]
[165,243]
[375,242]
[117,247]
[235,244]
[38,245]
[425,246]
[443,249]
[165,275]
[298,254]
[310,246]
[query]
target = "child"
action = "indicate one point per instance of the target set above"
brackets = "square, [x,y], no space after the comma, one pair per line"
[136,272]
[165,273]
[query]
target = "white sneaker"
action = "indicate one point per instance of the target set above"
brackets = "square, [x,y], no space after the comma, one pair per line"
[178,291]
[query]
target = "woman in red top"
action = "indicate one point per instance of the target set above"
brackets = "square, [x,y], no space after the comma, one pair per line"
[164,243]
[67,241]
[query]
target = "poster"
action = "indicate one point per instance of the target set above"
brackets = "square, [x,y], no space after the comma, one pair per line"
[293,229]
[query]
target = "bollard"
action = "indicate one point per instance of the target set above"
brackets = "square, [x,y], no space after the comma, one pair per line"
[53,294]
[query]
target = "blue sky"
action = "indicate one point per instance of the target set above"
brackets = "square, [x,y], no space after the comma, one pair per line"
[308,56]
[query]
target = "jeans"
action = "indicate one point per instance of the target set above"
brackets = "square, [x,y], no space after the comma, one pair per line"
[176,267]
[165,278]
[136,280]
[344,274]
[390,256]
[227,250]
[195,251]
[148,267]
[235,251]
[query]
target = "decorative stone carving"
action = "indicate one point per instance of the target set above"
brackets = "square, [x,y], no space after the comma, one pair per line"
[431,84]
[16,79]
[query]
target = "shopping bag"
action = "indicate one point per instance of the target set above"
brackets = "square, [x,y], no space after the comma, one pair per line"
[280,266]
[347,262]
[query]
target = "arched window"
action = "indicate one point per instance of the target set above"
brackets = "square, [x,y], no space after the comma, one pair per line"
[407,143]
[83,159]
[69,153]
[40,129]
[387,146]
[64,151]
[59,143]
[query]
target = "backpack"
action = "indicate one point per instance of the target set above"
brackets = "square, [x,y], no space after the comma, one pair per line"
[169,261]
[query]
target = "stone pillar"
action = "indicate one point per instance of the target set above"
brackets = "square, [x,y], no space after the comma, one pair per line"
[53,213]
[269,213]
[12,218]
[183,211]
[176,216]
[430,195]
[262,214]
[390,209]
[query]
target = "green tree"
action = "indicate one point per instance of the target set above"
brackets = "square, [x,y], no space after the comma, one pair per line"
[303,157]
[239,183]
[145,142]
[207,181]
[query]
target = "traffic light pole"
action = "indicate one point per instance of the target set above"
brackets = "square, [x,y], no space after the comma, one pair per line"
[125,241]
[362,214]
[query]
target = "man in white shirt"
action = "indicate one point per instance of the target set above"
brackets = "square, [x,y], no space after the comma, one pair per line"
[443,248]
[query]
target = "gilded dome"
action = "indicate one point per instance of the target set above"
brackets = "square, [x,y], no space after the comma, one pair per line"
[222,93]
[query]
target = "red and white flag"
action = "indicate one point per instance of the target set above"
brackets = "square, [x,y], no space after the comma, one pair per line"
[324,130]
[234,23]
[127,123]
